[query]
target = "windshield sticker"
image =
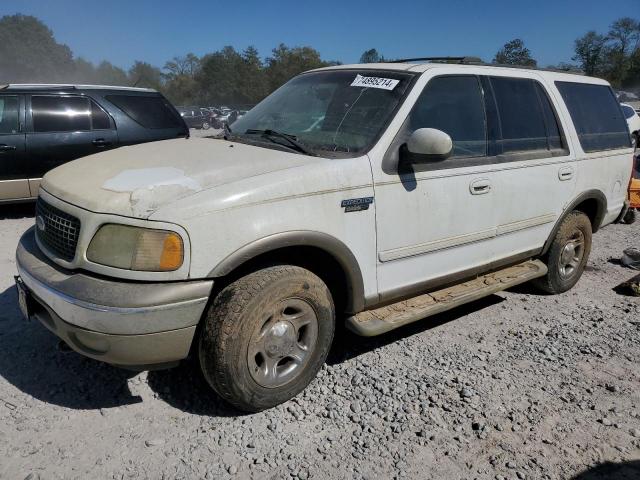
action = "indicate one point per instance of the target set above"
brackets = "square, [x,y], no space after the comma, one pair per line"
[375,82]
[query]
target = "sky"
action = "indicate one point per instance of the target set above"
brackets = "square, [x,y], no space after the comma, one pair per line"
[123,31]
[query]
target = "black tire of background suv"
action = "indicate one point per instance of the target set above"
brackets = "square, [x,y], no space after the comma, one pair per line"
[630,217]
[553,282]
[230,321]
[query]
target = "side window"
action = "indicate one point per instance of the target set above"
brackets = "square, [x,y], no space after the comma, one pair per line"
[9,114]
[99,119]
[455,105]
[596,115]
[554,134]
[60,114]
[148,111]
[522,119]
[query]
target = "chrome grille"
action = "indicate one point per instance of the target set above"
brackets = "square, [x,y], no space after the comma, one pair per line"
[56,230]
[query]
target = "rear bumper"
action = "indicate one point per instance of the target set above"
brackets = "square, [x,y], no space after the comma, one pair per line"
[131,324]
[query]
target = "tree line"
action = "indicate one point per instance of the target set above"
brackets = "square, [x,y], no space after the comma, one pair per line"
[29,53]
[614,55]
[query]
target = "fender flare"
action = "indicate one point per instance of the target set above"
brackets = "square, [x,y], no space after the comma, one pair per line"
[302,238]
[596,195]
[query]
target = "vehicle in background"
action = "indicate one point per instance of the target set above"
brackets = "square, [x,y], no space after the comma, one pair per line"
[213,115]
[633,120]
[195,118]
[44,126]
[634,193]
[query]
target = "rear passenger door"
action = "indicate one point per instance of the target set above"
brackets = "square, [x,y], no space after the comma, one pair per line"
[13,179]
[535,172]
[62,128]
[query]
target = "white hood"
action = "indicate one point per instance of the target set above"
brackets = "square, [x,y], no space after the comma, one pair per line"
[136,181]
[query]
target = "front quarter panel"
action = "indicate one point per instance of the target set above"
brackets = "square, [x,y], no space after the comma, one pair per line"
[225,219]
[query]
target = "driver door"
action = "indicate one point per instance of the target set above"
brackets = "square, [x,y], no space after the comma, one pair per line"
[437,219]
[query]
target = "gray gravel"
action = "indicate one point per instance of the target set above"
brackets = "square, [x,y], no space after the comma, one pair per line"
[516,386]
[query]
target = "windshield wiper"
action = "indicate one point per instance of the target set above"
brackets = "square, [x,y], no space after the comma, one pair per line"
[292,140]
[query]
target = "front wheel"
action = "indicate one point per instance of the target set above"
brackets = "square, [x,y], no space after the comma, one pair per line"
[630,217]
[567,255]
[266,336]
[206,126]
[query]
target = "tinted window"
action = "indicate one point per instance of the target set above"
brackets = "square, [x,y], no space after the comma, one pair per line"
[521,117]
[554,134]
[596,115]
[9,113]
[60,114]
[628,111]
[99,119]
[148,111]
[455,106]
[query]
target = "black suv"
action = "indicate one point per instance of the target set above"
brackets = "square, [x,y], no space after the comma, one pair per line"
[195,117]
[43,126]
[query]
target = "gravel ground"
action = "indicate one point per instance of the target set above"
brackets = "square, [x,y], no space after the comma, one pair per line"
[516,386]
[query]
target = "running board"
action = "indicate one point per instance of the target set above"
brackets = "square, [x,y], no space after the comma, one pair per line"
[375,322]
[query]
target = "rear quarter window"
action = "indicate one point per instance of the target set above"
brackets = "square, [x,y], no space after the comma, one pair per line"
[148,111]
[628,111]
[596,115]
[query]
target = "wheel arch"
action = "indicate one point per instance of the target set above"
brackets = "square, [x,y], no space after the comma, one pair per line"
[323,254]
[593,203]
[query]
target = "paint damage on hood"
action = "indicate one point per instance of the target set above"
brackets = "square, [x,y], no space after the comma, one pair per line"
[138,180]
[151,188]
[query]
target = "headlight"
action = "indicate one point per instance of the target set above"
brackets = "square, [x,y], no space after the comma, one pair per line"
[134,248]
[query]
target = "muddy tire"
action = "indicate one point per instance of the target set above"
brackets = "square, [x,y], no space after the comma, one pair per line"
[567,255]
[266,336]
[630,217]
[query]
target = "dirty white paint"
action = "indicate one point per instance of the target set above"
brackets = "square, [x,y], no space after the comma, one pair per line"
[149,178]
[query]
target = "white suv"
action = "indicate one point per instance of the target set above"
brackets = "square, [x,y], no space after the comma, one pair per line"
[373,194]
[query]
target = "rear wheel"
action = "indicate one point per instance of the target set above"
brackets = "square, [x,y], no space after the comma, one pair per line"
[206,126]
[567,255]
[266,336]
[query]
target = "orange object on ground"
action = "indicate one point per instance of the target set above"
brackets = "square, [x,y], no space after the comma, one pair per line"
[634,186]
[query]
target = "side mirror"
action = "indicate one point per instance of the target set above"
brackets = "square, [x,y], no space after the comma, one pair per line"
[428,145]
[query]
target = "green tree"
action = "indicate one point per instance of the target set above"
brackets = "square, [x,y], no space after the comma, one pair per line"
[187,65]
[590,52]
[371,56]
[220,77]
[515,53]
[108,74]
[254,82]
[622,38]
[30,53]
[286,62]
[181,86]
[143,74]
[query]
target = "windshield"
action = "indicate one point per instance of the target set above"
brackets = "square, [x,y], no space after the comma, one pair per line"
[338,111]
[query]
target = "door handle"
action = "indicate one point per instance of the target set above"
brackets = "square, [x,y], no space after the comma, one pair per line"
[100,143]
[6,148]
[565,173]
[480,186]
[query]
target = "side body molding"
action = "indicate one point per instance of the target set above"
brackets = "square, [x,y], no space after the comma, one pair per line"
[601,211]
[302,238]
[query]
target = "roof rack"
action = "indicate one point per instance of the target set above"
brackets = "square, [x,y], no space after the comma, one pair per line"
[68,86]
[478,61]
[440,60]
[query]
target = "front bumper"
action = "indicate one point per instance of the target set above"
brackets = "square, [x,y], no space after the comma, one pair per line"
[129,324]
